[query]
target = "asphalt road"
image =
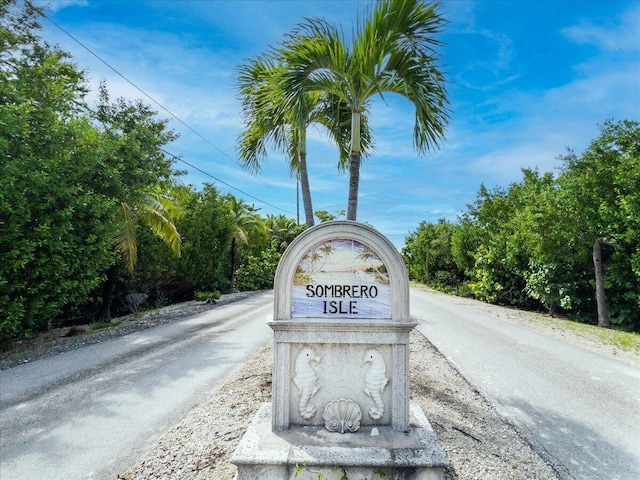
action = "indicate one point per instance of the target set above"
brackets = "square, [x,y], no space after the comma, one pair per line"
[578,409]
[92,412]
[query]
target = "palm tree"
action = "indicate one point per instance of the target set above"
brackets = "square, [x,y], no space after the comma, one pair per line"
[392,52]
[267,122]
[246,218]
[371,257]
[157,211]
[282,231]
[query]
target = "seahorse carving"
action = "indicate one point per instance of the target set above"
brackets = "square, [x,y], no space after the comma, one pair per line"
[375,379]
[306,380]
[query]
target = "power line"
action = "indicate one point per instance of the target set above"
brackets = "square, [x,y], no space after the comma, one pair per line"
[172,115]
[222,181]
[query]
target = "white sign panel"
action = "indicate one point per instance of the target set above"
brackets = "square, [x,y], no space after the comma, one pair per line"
[341,278]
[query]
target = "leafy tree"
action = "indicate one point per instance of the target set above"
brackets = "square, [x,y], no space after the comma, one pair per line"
[157,211]
[55,219]
[542,225]
[208,230]
[558,242]
[393,51]
[159,272]
[325,216]
[259,271]
[245,220]
[500,259]
[133,140]
[512,245]
[156,273]
[282,231]
[602,188]
[465,241]
[428,255]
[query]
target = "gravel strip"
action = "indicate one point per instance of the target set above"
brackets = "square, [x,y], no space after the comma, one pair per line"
[479,444]
[60,340]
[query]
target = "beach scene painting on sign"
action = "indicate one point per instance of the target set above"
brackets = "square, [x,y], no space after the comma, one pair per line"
[341,278]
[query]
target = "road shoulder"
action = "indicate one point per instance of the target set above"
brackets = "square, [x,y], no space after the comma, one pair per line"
[478,442]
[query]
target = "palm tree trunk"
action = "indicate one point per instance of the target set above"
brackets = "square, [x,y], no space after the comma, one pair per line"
[306,192]
[107,291]
[354,167]
[233,264]
[603,315]
[354,180]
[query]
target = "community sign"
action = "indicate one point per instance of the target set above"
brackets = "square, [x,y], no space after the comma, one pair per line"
[341,278]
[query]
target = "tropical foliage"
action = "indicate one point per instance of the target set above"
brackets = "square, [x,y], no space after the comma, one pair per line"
[259,271]
[269,119]
[208,229]
[92,216]
[55,221]
[532,244]
[315,75]
[133,141]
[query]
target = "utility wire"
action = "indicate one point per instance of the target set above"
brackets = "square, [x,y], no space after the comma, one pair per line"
[172,115]
[221,181]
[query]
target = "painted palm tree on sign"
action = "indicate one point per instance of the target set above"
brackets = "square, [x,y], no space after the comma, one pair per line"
[393,51]
[372,258]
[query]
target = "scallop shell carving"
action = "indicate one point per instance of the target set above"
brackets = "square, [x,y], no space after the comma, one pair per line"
[342,415]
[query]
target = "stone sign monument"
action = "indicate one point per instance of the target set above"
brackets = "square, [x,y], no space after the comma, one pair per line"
[341,366]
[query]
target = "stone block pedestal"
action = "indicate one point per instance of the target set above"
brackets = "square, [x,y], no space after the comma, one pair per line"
[340,399]
[275,455]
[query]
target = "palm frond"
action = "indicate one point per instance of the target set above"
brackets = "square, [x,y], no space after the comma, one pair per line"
[125,240]
[262,109]
[152,211]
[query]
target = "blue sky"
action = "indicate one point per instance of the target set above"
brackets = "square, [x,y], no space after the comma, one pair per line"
[526,80]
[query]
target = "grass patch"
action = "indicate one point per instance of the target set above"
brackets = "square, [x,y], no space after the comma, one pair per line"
[97,326]
[209,297]
[618,338]
[627,341]
[624,340]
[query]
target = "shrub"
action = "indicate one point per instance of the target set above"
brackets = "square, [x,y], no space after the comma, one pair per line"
[259,271]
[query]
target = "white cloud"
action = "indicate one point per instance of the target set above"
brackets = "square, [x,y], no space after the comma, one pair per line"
[622,34]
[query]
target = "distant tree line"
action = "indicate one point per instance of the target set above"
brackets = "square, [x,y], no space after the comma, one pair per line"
[94,219]
[566,244]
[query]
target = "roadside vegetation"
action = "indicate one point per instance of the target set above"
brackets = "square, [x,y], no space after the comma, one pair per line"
[567,244]
[608,341]
[95,221]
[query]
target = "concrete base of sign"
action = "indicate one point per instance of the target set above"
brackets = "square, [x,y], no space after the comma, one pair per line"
[306,452]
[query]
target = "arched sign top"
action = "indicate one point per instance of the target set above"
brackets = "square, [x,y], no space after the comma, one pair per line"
[341,269]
